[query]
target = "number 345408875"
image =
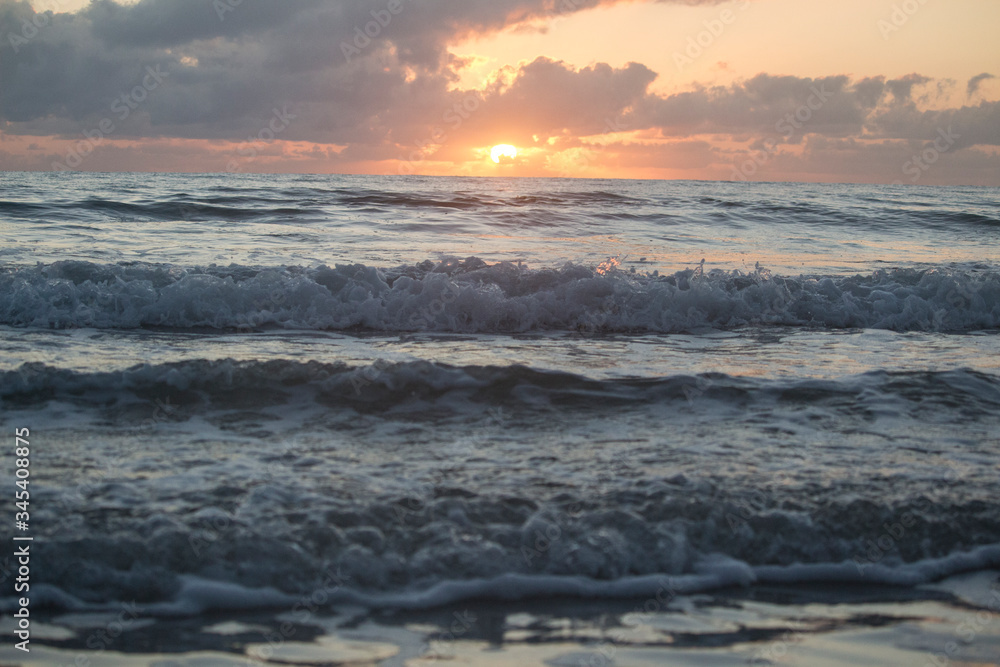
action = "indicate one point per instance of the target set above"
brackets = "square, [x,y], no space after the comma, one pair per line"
[22,451]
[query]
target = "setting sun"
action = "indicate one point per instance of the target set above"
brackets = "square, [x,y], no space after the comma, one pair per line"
[501,151]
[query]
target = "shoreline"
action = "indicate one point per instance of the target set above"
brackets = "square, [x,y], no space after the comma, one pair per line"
[954,622]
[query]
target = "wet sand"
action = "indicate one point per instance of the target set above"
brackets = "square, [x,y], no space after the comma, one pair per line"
[956,622]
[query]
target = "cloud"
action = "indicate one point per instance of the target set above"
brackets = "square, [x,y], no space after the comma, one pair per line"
[833,106]
[250,57]
[902,88]
[372,83]
[975,82]
[790,108]
[226,71]
[549,98]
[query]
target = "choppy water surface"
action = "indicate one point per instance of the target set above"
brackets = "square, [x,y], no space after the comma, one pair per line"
[444,388]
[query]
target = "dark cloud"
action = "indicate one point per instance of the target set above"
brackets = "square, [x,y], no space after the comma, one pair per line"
[375,76]
[974,125]
[158,23]
[228,64]
[365,71]
[973,87]
[902,88]
[789,108]
[765,104]
[550,98]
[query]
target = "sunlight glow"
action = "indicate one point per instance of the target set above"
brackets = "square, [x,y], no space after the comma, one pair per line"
[502,151]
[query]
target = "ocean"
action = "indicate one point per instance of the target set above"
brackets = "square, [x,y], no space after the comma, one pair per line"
[406,420]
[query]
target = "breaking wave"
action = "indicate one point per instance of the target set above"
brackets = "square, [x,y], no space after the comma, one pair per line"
[470,296]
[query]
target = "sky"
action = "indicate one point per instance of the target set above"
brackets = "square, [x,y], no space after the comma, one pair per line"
[882,91]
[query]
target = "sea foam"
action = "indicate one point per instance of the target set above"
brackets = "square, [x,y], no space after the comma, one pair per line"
[473,297]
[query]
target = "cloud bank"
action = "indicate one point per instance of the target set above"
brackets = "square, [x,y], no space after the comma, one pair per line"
[325,85]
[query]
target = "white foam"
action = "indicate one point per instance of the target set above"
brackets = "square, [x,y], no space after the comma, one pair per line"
[198,595]
[469,296]
[906,574]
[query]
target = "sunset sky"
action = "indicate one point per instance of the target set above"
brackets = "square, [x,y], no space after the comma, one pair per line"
[855,91]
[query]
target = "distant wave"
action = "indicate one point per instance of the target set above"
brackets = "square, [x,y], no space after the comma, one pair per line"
[300,204]
[178,208]
[470,296]
[319,204]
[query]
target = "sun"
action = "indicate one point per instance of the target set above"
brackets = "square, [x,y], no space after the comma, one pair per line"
[503,151]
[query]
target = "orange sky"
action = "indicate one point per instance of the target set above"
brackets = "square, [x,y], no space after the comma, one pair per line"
[623,90]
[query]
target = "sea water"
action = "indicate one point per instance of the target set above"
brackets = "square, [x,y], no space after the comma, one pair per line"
[409,391]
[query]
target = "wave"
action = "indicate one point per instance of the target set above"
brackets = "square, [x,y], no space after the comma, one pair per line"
[267,544]
[470,296]
[249,204]
[198,386]
[246,208]
[193,595]
[300,203]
